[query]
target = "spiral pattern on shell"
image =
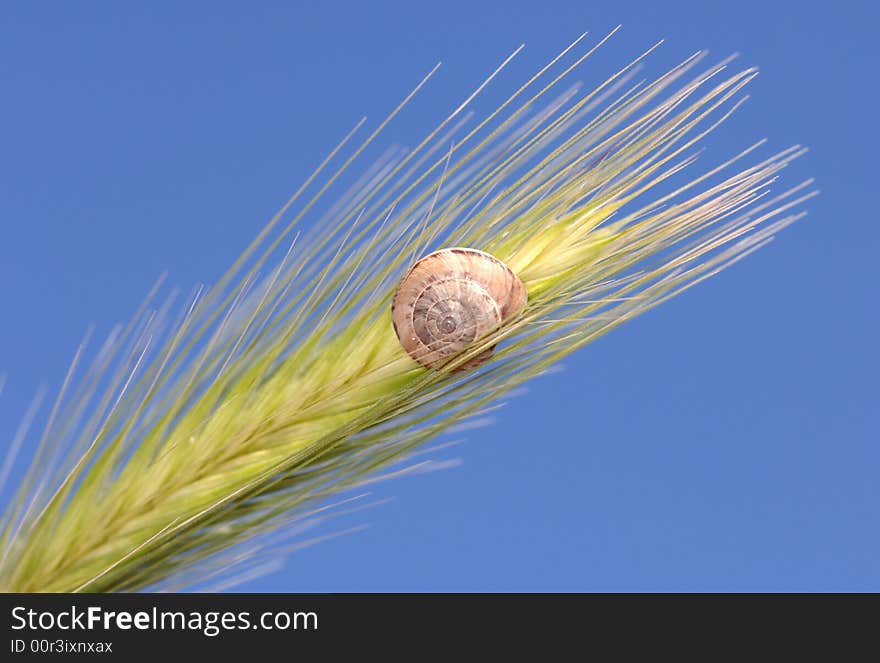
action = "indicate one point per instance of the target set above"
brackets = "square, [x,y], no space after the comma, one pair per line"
[450,299]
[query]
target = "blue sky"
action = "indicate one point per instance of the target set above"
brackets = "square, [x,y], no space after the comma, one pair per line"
[720,442]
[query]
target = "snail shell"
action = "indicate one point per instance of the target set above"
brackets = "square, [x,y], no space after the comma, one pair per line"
[451,298]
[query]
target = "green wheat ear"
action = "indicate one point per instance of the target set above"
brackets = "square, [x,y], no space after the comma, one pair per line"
[284,384]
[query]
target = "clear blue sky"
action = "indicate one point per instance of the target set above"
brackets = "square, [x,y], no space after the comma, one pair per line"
[721,442]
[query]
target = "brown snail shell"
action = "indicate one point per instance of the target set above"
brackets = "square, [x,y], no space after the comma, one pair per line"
[450,299]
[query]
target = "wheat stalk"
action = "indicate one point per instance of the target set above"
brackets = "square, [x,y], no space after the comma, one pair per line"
[284,384]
